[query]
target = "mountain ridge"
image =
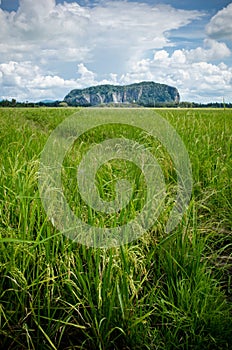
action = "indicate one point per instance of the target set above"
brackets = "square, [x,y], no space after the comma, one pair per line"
[144,93]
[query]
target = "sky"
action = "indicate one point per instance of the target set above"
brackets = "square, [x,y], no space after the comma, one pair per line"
[48,47]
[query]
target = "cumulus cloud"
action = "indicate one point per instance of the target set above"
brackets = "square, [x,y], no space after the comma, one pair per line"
[212,50]
[220,26]
[88,33]
[25,81]
[109,42]
[197,80]
[86,76]
[40,41]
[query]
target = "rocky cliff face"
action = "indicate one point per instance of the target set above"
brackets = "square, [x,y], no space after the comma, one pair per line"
[145,94]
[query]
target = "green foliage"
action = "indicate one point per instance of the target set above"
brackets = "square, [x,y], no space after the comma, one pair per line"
[160,292]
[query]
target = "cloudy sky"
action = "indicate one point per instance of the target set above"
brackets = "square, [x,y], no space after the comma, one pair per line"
[49,47]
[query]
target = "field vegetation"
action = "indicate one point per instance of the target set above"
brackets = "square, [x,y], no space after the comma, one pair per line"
[162,291]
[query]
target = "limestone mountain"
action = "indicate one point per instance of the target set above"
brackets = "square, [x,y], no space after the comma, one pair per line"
[144,94]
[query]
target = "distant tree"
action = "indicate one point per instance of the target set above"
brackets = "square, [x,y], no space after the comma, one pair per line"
[5,103]
[13,102]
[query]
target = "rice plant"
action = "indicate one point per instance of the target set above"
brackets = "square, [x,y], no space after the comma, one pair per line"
[161,291]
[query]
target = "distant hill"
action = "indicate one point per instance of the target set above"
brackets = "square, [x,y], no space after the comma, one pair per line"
[47,101]
[144,94]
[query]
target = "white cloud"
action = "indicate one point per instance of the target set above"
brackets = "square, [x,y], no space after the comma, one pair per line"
[109,42]
[87,77]
[88,33]
[220,26]
[25,81]
[196,80]
[212,50]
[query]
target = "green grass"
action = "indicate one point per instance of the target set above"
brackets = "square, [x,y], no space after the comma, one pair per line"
[163,291]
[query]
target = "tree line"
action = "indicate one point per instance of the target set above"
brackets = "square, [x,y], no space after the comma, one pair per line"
[183,104]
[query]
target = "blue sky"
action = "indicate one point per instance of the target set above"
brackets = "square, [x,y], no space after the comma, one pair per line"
[49,47]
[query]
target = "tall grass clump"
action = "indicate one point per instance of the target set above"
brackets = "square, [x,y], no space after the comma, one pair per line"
[162,291]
